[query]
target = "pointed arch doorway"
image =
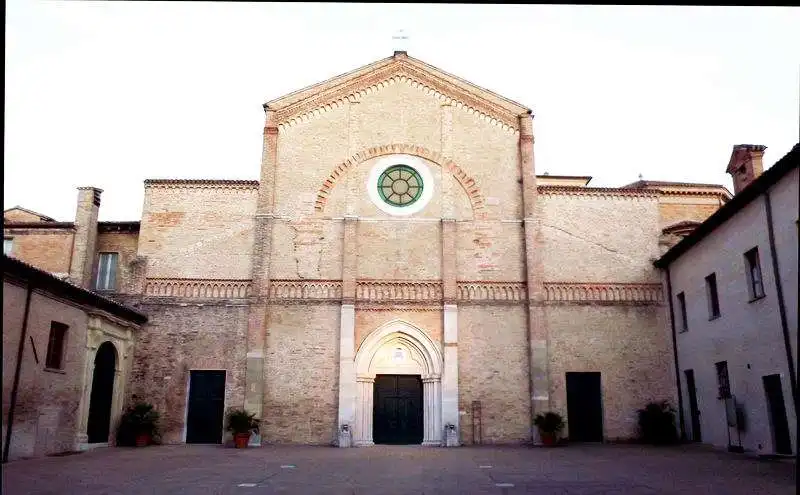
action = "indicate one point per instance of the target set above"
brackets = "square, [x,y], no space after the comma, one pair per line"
[401,356]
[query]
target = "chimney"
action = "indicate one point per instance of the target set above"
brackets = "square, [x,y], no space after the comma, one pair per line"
[745,165]
[85,241]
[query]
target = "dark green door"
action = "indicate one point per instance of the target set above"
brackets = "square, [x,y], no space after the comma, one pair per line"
[777,411]
[397,409]
[584,407]
[206,407]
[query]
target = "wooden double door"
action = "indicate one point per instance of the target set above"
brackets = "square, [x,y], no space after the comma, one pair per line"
[397,413]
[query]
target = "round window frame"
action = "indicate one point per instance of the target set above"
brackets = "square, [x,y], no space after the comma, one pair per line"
[401,168]
[413,162]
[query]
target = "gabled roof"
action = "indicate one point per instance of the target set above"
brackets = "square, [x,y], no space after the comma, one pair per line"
[747,195]
[44,218]
[40,279]
[400,65]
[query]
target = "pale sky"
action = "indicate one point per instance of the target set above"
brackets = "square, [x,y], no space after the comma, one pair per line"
[111,93]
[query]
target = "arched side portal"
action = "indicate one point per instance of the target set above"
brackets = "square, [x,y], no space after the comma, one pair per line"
[398,348]
[105,371]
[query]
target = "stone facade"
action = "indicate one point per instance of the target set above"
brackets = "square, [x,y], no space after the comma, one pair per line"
[299,285]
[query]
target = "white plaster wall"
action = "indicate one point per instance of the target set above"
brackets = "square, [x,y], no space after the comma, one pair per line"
[747,335]
[784,217]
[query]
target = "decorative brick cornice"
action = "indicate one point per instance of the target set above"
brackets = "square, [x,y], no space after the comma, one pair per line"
[400,71]
[306,289]
[608,192]
[398,290]
[198,288]
[609,293]
[202,183]
[491,291]
[467,182]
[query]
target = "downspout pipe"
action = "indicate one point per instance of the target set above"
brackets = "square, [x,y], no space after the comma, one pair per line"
[15,387]
[675,356]
[787,341]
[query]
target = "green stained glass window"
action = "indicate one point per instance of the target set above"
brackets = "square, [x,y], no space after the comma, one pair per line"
[400,185]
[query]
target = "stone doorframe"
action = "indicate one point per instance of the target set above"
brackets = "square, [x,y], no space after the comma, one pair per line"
[398,348]
[103,328]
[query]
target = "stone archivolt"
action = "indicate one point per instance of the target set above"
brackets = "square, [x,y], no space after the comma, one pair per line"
[467,182]
[381,292]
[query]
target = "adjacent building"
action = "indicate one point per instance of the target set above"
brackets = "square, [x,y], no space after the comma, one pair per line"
[732,285]
[397,262]
[67,356]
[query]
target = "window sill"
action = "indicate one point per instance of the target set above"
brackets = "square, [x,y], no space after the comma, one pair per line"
[54,370]
[754,299]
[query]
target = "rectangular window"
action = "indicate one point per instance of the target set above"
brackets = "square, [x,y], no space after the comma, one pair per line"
[713,297]
[684,322]
[107,271]
[754,280]
[722,380]
[8,245]
[55,346]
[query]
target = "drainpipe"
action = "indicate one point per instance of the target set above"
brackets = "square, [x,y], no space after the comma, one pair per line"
[15,387]
[787,341]
[675,356]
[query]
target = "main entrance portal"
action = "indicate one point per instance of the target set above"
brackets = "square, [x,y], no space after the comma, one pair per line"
[398,409]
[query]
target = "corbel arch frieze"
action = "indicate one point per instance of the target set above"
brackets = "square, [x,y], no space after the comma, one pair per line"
[468,183]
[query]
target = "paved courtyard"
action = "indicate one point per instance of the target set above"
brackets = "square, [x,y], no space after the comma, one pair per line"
[206,470]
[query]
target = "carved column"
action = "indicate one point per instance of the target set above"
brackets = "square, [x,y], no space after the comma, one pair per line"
[363,423]
[262,249]
[431,413]
[537,328]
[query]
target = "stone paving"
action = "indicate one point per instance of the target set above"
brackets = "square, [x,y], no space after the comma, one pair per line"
[576,469]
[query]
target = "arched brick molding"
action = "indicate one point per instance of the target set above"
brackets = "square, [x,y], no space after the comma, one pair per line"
[467,183]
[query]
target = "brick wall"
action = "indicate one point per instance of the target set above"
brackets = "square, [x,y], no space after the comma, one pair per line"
[126,244]
[192,231]
[493,369]
[48,250]
[301,374]
[629,346]
[180,337]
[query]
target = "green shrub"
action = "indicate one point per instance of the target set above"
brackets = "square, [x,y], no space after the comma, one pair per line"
[549,422]
[657,424]
[138,419]
[241,421]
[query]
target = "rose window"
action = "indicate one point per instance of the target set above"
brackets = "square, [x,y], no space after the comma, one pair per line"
[400,185]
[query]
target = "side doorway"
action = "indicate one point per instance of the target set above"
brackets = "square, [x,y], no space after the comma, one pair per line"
[584,407]
[205,406]
[694,411]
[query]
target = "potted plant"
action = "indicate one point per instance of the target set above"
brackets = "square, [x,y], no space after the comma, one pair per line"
[242,424]
[657,424]
[138,425]
[550,425]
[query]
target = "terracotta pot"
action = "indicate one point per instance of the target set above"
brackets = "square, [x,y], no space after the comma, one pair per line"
[142,439]
[548,439]
[241,440]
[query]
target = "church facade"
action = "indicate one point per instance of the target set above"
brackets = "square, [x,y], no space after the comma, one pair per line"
[397,273]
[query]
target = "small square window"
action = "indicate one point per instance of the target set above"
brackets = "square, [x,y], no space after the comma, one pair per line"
[684,321]
[55,346]
[713,297]
[755,281]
